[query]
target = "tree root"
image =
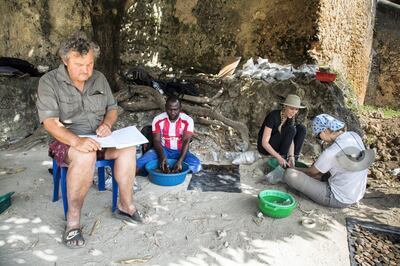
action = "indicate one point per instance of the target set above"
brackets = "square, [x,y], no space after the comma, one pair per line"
[238,126]
[39,136]
[202,100]
[139,106]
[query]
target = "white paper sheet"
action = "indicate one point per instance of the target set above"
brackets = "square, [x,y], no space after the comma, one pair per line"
[121,138]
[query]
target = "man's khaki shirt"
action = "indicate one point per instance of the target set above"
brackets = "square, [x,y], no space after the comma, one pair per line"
[80,112]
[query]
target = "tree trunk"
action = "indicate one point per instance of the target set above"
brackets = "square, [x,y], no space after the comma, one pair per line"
[106,17]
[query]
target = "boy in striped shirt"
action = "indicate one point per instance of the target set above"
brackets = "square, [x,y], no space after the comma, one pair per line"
[172,131]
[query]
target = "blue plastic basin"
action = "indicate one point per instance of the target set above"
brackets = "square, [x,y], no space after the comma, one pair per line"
[166,179]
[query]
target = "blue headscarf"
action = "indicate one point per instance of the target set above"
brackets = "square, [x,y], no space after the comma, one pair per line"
[324,121]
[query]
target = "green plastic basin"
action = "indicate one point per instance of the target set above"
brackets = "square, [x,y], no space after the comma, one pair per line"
[275,203]
[273,163]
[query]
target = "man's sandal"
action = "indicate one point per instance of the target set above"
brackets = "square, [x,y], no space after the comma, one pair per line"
[73,237]
[136,217]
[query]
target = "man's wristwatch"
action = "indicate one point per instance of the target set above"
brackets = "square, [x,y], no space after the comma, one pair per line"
[107,125]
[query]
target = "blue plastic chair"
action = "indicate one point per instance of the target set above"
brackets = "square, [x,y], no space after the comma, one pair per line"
[60,173]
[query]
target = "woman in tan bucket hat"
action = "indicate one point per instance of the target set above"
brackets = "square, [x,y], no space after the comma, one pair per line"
[280,135]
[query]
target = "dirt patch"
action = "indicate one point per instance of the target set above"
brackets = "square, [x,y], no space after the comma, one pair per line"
[186,227]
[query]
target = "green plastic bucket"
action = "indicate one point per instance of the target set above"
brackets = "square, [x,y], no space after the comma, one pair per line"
[273,163]
[275,203]
[5,201]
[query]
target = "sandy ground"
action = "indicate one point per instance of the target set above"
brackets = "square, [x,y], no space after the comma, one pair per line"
[183,228]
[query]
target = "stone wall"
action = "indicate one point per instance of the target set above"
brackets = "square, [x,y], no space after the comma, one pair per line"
[345,32]
[384,83]
[252,100]
[175,33]
[204,35]
[33,30]
[18,114]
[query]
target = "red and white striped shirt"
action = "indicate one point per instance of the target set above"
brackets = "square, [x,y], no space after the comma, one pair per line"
[172,132]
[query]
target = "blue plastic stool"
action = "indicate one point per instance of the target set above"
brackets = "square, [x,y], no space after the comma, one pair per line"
[60,172]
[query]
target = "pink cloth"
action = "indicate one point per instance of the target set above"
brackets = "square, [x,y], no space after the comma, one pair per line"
[59,152]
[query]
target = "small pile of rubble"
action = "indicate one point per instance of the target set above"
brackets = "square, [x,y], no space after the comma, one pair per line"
[374,249]
[385,141]
[382,134]
[271,72]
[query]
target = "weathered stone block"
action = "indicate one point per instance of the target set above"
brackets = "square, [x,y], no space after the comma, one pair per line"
[18,114]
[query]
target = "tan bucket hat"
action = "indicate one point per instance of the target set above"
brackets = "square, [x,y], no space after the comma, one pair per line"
[352,159]
[293,101]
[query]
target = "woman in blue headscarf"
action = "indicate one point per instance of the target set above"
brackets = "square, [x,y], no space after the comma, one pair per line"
[346,159]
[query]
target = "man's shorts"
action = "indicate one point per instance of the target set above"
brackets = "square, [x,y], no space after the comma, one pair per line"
[59,152]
